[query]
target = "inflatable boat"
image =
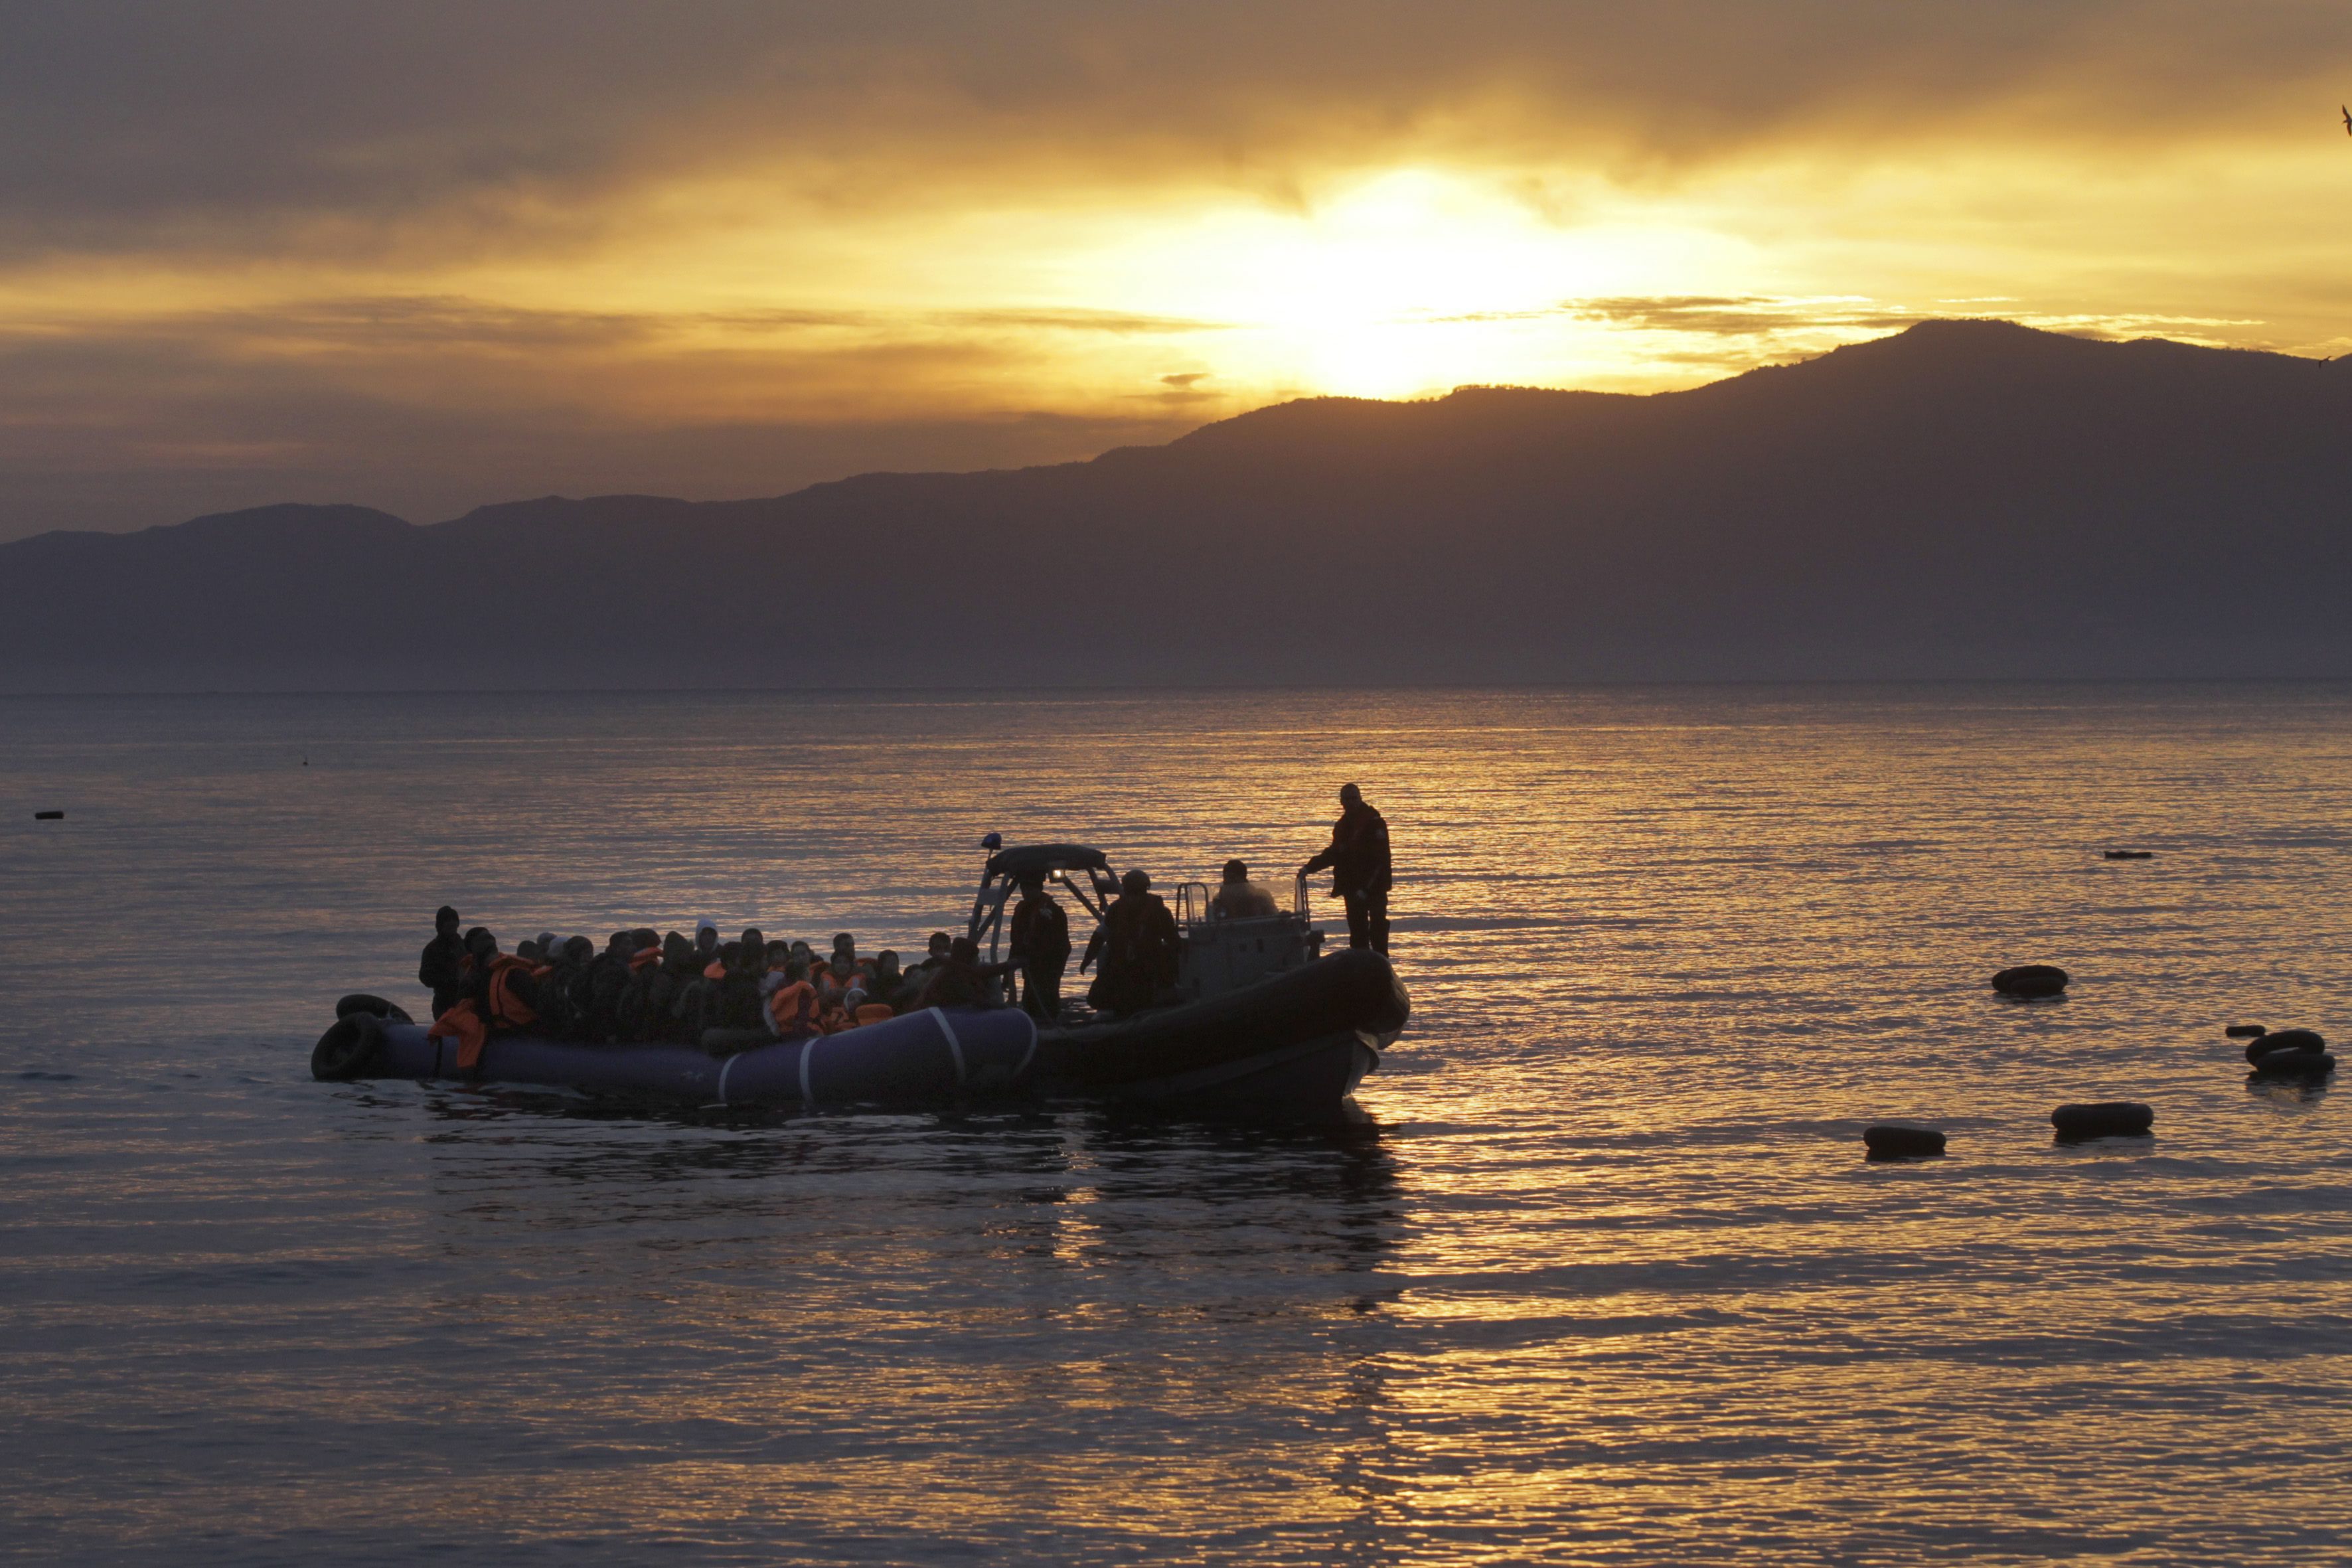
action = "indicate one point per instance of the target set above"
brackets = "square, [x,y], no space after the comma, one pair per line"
[1260,1025]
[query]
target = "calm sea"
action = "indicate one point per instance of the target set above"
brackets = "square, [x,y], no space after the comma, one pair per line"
[1607,1279]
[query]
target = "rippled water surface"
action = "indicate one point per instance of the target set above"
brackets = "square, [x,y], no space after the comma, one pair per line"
[1605,1279]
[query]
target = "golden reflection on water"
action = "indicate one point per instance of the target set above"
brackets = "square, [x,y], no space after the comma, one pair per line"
[1609,1282]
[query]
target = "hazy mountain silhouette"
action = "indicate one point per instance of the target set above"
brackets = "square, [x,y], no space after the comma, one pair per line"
[1964,498]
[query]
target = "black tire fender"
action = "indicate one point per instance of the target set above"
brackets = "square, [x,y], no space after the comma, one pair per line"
[348,1050]
[376,1006]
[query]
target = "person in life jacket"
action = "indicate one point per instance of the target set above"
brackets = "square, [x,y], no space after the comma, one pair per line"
[841,969]
[788,1002]
[1039,948]
[1137,946]
[1361,874]
[505,998]
[441,968]
[857,1010]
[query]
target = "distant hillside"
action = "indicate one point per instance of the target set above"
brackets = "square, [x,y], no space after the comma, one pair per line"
[1964,498]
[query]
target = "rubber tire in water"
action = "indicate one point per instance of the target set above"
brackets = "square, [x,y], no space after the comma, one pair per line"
[349,1049]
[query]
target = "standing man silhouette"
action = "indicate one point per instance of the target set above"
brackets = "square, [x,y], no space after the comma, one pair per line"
[1358,855]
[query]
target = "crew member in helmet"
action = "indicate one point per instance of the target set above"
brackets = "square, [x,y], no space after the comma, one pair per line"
[1137,946]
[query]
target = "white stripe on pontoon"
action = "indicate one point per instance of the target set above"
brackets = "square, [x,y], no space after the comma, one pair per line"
[808,1050]
[726,1068]
[1027,1055]
[955,1047]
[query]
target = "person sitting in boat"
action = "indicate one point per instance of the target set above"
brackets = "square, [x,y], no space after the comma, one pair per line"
[935,953]
[563,993]
[706,942]
[658,973]
[788,1002]
[1136,943]
[841,970]
[737,996]
[1239,899]
[609,979]
[890,984]
[1040,948]
[960,979]
[441,969]
[502,996]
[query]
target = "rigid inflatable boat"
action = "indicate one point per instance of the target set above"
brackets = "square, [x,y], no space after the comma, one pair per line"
[1261,1026]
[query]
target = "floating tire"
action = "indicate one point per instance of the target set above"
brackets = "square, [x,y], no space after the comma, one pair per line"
[2131,854]
[2245,1032]
[2294,1064]
[374,1007]
[2104,1119]
[2286,1040]
[1889,1140]
[347,1051]
[2031,980]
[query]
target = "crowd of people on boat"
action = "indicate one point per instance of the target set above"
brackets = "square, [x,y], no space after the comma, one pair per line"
[648,988]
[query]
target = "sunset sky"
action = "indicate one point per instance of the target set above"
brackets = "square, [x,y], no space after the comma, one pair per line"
[430,254]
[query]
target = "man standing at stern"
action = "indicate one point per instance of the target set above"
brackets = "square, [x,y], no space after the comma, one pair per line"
[1358,857]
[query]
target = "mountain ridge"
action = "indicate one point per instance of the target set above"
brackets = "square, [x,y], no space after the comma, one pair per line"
[1962,499]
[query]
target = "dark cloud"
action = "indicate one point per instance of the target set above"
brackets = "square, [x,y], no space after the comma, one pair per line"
[1745,315]
[437,126]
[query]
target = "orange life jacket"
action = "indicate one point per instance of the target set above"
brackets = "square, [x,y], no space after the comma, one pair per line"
[792,1010]
[462,1023]
[717,969]
[506,1007]
[643,957]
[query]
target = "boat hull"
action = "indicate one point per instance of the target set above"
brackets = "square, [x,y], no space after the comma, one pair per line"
[1293,1046]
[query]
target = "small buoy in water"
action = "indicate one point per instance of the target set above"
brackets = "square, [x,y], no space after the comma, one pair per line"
[1892,1141]
[2245,1031]
[2031,980]
[48,816]
[2104,1119]
[2131,854]
[2286,1042]
[2294,1064]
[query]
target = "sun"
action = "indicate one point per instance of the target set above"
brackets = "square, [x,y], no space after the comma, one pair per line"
[1409,282]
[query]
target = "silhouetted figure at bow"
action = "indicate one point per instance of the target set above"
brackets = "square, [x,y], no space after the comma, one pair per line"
[1137,945]
[442,968]
[1358,857]
[1040,949]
